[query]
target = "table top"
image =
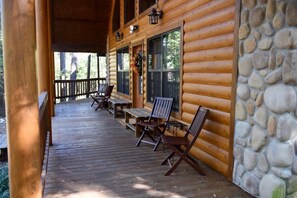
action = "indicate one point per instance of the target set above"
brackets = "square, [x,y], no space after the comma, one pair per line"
[138,112]
[119,101]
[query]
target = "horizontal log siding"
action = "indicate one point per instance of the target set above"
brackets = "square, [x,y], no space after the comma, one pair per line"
[208,63]
[207,67]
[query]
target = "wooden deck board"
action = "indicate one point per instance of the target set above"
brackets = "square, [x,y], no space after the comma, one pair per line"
[95,156]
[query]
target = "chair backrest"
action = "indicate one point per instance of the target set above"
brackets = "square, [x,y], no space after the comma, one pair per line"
[162,108]
[196,125]
[108,91]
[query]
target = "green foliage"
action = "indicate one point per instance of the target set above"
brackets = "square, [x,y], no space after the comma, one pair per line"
[4,184]
[279,192]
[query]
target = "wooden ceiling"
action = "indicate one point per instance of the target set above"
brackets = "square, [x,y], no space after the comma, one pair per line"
[80,25]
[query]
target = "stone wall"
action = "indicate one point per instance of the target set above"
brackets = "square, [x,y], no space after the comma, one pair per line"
[265,142]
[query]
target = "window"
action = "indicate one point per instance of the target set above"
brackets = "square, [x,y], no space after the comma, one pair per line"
[129,10]
[116,16]
[164,67]
[145,4]
[123,67]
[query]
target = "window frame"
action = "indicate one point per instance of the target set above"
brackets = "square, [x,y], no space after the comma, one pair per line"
[116,16]
[122,72]
[162,70]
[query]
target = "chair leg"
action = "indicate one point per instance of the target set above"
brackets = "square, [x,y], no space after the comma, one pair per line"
[93,103]
[141,137]
[175,165]
[168,158]
[157,144]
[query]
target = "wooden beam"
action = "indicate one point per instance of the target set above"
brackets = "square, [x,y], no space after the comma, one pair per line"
[19,44]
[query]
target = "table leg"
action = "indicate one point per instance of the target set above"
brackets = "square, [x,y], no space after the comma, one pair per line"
[115,110]
[137,128]
[127,117]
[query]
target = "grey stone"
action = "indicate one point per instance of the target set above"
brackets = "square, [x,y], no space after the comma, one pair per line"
[250,184]
[242,129]
[281,6]
[289,73]
[259,138]
[263,164]
[249,159]
[280,154]
[263,72]
[260,59]
[278,21]
[279,59]
[249,3]
[272,58]
[250,107]
[283,39]
[240,111]
[270,9]
[259,99]
[256,81]
[241,141]
[261,117]
[265,44]
[262,1]
[272,186]
[244,31]
[257,16]
[257,35]
[240,170]
[242,79]
[238,153]
[251,120]
[259,174]
[243,91]
[294,167]
[294,38]
[245,66]
[271,126]
[244,16]
[293,195]
[286,128]
[282,173]
[280,98]
[291,13]
[266,29]
[292,185]
[249,45]
[254,94]
[273,77]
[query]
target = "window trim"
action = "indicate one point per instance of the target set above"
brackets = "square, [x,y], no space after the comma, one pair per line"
[180,27]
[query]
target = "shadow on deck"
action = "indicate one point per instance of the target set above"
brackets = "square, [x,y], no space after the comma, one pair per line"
[95,156]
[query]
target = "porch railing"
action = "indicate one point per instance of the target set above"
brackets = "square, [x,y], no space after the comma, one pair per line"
[73,88]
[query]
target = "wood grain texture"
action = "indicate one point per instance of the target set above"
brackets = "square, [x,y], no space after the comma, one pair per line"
[97,157]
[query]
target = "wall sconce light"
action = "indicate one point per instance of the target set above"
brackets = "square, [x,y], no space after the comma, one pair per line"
[133,28]
[119,36]
[154,16]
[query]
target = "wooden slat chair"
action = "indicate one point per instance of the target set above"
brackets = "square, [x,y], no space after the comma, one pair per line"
[176,143]
[100,93]
[103,100]
[157,122]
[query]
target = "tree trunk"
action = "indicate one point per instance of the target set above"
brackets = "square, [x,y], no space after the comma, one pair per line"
[63,74]
[73,76]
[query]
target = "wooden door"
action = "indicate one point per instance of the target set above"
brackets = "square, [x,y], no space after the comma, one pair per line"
[137,54]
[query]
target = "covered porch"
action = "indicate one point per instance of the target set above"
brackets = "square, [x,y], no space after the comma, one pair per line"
[93,155]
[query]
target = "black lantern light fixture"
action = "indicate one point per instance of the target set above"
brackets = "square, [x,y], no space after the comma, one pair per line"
[119,36]
[154,16]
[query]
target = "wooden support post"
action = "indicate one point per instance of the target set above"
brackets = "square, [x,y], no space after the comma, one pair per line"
[43,54]
[19,45]
[88,76]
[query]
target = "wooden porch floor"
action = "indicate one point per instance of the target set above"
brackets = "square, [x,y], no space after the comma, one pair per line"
[95,156]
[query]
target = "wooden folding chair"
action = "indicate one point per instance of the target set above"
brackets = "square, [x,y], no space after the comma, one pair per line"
[100,93]
[176,143]
[157,121]
[102,100]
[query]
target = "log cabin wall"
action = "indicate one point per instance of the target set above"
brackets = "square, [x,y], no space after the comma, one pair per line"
[207,68]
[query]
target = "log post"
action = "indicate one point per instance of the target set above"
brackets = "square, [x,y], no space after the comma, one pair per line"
[19,44]
[43,54]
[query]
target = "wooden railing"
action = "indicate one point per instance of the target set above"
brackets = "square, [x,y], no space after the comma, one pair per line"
[73,88]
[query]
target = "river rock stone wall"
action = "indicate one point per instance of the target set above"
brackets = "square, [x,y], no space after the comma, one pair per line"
[265,142]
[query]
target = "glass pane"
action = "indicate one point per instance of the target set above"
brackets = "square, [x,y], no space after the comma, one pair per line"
[171,83]
[120,82]
[123,59]
[171,50]
[145,4]
[126,83]
[154,55]
[129,10]
[154,85]
[126,64]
